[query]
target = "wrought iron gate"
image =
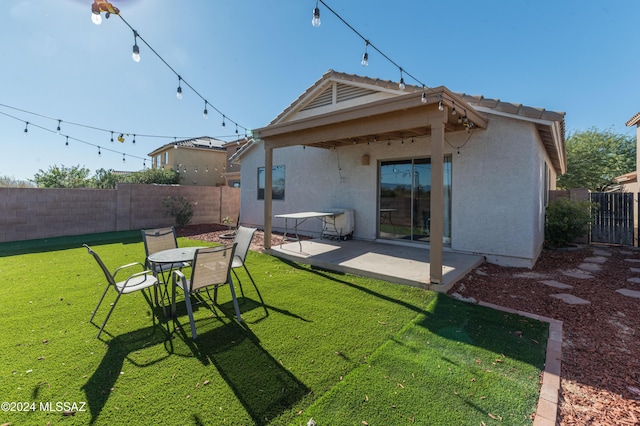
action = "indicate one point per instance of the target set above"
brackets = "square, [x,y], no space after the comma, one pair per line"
[613,219]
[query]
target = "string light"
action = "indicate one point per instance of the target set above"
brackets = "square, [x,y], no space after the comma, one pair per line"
[205,113]
[365,55]
[315,21]
[123,159]
[453,108]
[401,85]
[440,106]
[424,95]
[99,153]
[111,137]
[26,128]
[223,122]
[136,50]
[58,128]
[179,91]
[67,142]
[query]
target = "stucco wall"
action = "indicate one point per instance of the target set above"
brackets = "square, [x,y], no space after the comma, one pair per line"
[33,213]
[498,187]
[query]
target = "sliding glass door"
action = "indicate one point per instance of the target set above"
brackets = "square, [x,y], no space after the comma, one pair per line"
[405,199]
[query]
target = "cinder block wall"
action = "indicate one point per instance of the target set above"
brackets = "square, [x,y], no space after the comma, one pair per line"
[33,213]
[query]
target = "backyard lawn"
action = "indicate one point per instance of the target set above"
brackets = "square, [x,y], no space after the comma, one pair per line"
[342,349]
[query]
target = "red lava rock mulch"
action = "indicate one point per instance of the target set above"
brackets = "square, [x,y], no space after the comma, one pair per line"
[600,378]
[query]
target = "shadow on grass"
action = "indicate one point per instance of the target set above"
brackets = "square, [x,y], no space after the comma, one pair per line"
[511,335]
[264,387]
[98,388]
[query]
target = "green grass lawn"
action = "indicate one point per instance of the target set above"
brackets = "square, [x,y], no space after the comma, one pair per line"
[339,348]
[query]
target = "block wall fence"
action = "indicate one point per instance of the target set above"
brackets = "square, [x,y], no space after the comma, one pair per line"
[35,213]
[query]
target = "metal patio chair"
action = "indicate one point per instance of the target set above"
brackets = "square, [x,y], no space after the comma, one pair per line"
[211,268]
[135,282]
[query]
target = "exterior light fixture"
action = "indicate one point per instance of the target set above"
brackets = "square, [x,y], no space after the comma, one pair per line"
[424,95]
[100,6]
[136,50]
[205,113]
[58,128]
[365,55]
[401,85]
[316,16]
[179,90]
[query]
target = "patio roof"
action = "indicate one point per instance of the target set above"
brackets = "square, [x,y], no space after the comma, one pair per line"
[398,117]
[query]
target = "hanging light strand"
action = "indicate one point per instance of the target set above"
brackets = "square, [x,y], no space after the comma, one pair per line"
[180,78]
[368,43]
[68,138]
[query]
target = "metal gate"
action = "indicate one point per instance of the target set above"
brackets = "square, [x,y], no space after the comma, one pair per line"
[613,219]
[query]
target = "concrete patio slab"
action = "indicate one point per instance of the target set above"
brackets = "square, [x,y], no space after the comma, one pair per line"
[391,262]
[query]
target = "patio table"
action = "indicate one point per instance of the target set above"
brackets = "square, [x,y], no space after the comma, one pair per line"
[300,218]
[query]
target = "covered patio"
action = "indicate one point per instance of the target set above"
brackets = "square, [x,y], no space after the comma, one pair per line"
[402,264]
[422,112]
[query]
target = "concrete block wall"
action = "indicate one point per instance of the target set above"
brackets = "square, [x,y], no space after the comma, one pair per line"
[34,213]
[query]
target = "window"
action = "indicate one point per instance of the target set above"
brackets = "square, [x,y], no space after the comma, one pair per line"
[166,158]
[277,184]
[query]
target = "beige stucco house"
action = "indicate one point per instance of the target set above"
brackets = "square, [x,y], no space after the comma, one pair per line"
[412,164]
[629,181]
[200,161]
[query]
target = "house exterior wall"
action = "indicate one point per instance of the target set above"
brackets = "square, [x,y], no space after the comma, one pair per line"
[498,187]
[189,160]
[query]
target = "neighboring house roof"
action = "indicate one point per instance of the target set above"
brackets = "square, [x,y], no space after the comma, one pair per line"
[236,155]
[634,120]
[549,124]
[203,142]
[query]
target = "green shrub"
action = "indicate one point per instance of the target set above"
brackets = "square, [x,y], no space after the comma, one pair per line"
[180,208]
[566,220]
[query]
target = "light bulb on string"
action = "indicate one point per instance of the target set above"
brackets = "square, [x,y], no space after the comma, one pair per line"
[365,55]
[134,139]
[424,95]
[453,108]
[58,128]
[316,16]
[179,90]
[99,153]
[26,128]
[67,142]
[236,128]
[401,85]
[205,113]
[136,50]
[95,14]
[440,106]
[123,159]
[223,121]
[112,137]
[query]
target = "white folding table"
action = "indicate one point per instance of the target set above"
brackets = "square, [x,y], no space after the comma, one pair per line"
[300,218]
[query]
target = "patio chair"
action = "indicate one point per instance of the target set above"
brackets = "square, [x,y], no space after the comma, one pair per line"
[135,282]
[160,239]
[242,240]
[211,268]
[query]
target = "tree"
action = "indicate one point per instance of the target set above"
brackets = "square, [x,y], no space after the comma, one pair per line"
[159,176]
[12,182]
[63,177]
[105,179]
[595,157]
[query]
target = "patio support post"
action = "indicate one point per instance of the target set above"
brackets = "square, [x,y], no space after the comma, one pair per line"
[268,193]
[437,201]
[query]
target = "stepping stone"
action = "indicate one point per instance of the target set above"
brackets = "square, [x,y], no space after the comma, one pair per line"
[635,270]
[602,253]
[557,284]
[591,267]
[577,273]
[629,293]
[633,260]
[597,259]
[534,275]
[635,280]
[570,299]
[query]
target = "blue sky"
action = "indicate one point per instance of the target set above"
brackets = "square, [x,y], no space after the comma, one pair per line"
[250,59]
